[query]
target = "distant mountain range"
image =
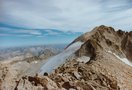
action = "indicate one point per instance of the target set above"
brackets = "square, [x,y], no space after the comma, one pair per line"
[29,51]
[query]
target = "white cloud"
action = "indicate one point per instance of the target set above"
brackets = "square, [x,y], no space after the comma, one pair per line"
[33,32]
[51,32]
[65,15]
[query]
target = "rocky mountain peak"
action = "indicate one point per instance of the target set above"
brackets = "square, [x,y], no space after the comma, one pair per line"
[104,38]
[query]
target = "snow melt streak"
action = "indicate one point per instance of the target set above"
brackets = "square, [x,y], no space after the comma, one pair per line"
[125,60]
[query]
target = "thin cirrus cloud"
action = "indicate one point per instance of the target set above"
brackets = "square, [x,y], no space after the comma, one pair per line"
[32,32]
[16,31]
[75,15]
[41,18]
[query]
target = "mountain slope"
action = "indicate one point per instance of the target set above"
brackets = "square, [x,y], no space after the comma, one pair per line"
[106,39]
[97,60]
[56,61]
[103,62]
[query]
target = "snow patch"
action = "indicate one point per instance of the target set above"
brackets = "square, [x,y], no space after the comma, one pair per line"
[83,59]
[35,62]
[19,62]
[125,60]
[55,61]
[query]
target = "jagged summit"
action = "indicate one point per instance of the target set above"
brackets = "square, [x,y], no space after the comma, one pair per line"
[108,39]
[87,35]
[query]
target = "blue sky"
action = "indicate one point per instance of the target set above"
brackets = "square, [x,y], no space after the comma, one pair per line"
[32,22]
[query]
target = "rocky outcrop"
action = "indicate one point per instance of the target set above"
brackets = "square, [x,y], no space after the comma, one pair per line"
[89,79]
[106,38]
[88,49]
[126,45]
